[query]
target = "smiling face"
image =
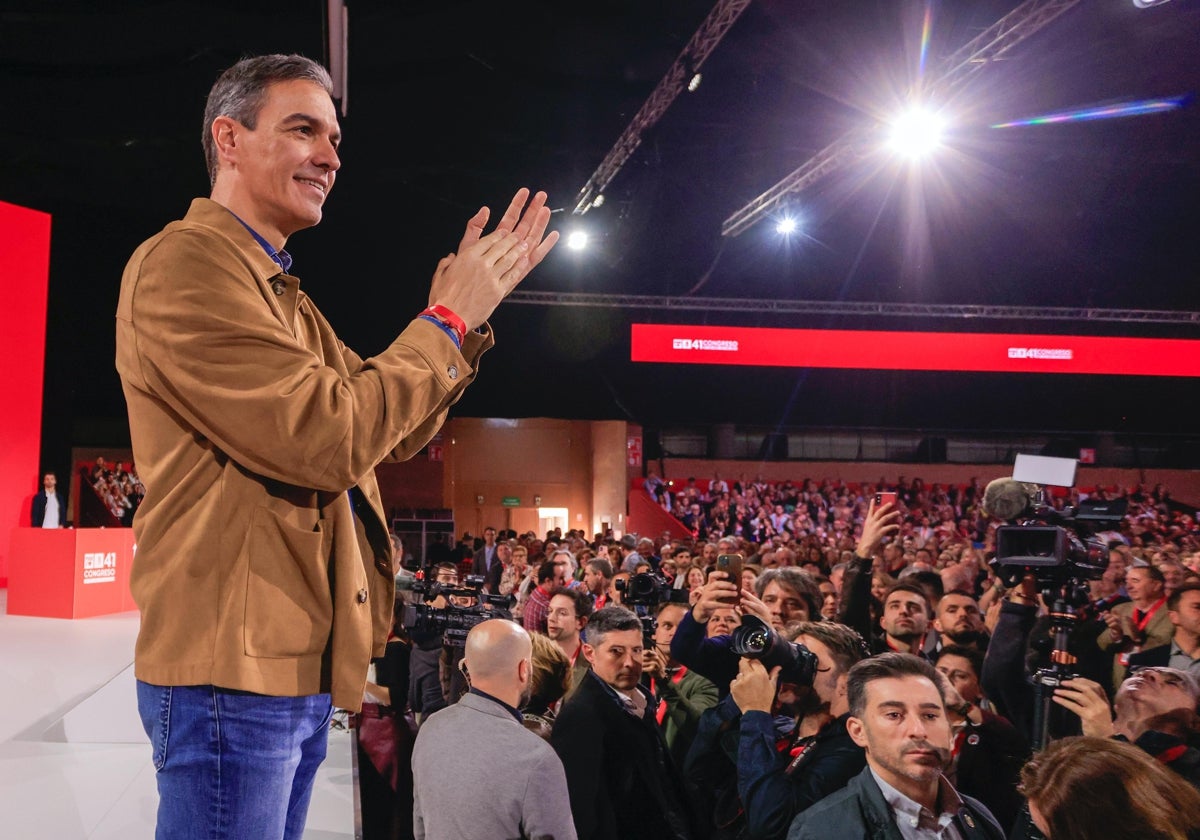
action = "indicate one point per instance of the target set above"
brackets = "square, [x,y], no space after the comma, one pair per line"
[276,177]
[1142,588]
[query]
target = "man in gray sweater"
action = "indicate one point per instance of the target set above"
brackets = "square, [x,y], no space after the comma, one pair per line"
[477,771]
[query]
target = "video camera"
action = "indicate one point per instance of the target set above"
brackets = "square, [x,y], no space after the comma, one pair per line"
[1060,547]
[755,639]
[464,607]
[642,593]
[1062,550]
[648,590]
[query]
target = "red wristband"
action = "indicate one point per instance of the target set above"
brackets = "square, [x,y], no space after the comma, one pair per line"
[447,317]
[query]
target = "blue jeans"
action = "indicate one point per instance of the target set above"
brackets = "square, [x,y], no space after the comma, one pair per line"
[233,765]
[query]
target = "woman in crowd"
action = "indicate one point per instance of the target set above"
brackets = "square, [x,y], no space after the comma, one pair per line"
[1085,788]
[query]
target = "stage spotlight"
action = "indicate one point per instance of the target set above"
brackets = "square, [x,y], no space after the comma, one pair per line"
[785,225]
[917,133]
[598,201]
[694,83]
[577,240]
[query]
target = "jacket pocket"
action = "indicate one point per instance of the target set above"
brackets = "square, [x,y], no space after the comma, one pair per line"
[289,607]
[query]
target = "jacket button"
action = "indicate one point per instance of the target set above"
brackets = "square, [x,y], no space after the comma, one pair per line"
[452,372]
[362,596]
[278,287]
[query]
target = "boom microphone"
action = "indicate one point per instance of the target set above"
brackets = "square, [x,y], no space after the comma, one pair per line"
[1007,498]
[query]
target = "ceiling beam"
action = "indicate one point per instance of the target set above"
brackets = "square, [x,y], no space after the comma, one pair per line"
[820,307]
[710,33]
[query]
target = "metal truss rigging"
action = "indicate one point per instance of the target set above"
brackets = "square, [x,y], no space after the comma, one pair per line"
[710,33]
[951,73]
[662,303]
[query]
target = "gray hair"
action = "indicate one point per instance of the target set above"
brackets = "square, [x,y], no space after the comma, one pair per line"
[239,93]
[609,620]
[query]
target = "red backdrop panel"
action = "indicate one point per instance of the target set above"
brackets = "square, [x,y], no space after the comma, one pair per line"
[24,281]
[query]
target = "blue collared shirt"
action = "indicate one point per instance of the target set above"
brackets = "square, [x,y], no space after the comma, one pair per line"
[281,258]
[284,260]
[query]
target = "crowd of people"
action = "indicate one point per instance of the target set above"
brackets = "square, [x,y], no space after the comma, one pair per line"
[117,486]
[902,693]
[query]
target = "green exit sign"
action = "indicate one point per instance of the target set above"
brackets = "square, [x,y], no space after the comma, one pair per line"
[510,501]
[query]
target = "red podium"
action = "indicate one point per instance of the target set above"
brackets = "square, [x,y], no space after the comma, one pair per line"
[70,573]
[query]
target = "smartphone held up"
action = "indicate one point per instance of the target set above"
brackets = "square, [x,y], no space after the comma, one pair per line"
[731,564]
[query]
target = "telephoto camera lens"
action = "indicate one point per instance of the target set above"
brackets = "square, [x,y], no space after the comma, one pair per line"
[755,639]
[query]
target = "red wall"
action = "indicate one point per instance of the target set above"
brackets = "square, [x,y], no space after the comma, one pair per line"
[24,283]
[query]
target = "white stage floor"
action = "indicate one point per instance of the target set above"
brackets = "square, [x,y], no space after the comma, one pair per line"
[74,761]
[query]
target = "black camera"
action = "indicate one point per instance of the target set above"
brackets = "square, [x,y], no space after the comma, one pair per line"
[642,593]
[648,590]
[1058,547]
[1062,550]
[755,639]
[453,621]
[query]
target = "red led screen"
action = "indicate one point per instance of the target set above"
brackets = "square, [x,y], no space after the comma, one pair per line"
[882,350]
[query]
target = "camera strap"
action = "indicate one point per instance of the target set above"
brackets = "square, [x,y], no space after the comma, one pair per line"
[661,711]
[802,751]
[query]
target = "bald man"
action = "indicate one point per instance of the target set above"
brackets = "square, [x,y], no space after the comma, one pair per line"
[459,749]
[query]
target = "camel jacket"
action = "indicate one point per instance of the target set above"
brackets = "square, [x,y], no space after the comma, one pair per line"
[263,560]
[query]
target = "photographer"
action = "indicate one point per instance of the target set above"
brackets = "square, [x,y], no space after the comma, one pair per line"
[1022,644]
[793,596]
[438,624]
[1155,708]
[776,781]
[425,680]
[682,695]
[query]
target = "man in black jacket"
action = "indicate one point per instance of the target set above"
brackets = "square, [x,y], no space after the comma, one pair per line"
[897,714]
[49,507]
[622,783]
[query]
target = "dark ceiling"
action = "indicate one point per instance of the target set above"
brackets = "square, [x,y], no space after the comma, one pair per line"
[457,103]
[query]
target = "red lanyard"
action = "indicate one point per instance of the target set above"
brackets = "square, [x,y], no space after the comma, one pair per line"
[1149,614]
[661,712]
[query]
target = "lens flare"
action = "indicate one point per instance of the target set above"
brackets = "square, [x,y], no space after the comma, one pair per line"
[1103,112]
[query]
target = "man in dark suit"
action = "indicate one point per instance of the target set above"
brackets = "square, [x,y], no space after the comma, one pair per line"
[49,506]
[622,781]
[485,557]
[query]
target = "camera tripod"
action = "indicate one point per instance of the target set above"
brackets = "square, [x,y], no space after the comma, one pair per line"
[1064,617]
